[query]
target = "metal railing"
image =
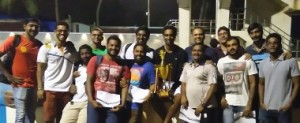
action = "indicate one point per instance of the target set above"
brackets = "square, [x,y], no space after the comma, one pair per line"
[208,25]
[237,22]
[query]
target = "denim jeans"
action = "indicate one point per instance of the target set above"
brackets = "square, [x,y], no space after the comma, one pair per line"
[228,113]
[101,115]
[25,103]
[273,116]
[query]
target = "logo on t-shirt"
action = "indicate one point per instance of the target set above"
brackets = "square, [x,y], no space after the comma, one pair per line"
[136,74]
[233,77]
[108,76]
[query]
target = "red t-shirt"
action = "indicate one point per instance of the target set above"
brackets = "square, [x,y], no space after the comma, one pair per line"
[108,74]
[24,62]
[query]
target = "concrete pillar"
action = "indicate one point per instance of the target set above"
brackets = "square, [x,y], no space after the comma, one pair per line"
[222,13]
[184,28]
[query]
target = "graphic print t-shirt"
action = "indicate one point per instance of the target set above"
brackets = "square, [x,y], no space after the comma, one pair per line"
[108,74]
[235,75]
[142,77]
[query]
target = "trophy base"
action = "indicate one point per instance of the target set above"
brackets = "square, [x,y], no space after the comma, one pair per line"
[164,94]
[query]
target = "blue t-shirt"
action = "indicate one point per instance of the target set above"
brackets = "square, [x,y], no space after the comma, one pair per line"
[257,56]
[142,76]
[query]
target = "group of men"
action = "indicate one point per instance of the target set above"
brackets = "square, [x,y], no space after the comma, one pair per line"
[113,84]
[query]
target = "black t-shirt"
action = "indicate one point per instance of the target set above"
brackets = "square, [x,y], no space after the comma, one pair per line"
[177,59]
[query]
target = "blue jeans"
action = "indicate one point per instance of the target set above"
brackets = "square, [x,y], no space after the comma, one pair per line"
[228,113]
[101,115]
[261,116]
[273,116]
[25,103]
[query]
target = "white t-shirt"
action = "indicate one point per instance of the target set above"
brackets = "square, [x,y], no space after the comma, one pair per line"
[59,71]
[235,75]
[198,80]
[80,95]
[129,52]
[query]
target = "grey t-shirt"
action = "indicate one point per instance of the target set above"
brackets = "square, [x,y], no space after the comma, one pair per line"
[278,85]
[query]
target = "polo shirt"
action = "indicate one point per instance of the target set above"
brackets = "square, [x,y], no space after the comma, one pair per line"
[58,75]
[277,75]
[198,80]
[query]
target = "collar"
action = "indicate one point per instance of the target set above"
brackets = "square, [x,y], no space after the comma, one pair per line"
[280,58]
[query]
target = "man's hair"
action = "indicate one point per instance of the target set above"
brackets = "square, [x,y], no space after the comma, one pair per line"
[27,20]
[213,43]
[114,37]
[198,27]
[143,28]
[174,29]
[201,45]
[254,26]
[144,47]
[84,46]
[63,23]
[234,38]
[277,36]
[96,29]
[226,29]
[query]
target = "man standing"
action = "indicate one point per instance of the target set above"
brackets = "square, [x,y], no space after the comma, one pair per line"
[199,85]
[278,83]
[75,111]
[97,37]
[257,49]
[54,73]
[175,56]
[198,35]
[224,35]
[23,76]
[105,74]
[142,36]
[142,77]
[239,80]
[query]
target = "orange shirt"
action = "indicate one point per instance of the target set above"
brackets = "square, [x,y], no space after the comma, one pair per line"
[24,62]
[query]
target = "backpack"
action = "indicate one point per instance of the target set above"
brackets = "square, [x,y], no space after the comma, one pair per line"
[126,48]
[7,58]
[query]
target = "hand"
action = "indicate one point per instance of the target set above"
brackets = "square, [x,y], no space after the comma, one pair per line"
[124,83]
[285,107]
[15,80]
[263,106]
[40,94]
[95,104]
[247,112]
[287,55]
[199,110]
[248,56]
[224,103]
[73,89]
[209,62]
[117,108]
[76,74]
[148,97]
[184,102]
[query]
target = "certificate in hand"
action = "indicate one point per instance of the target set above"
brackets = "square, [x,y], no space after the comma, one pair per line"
[238,118]
[138,94]
[188,115]
[108,100]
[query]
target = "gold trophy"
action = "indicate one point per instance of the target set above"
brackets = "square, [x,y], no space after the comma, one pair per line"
[162,71]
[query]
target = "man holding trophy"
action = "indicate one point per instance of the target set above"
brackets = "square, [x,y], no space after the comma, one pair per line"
[168,70]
